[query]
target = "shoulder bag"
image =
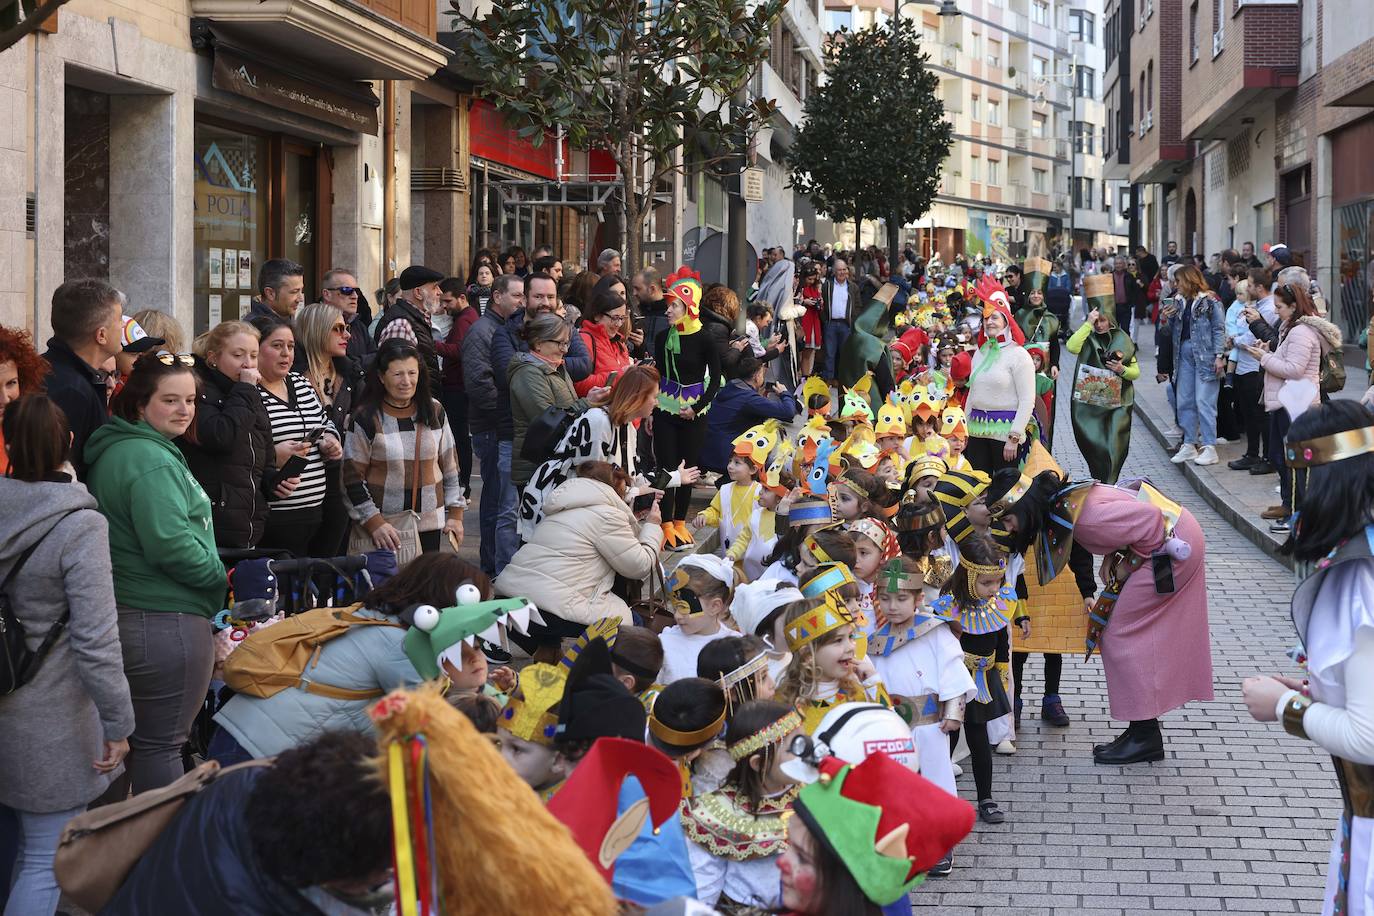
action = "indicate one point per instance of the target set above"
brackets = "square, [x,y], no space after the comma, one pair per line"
[406,522]
[17,664]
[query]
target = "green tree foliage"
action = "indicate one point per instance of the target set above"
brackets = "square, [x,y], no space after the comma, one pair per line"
[642,79]
[875,133]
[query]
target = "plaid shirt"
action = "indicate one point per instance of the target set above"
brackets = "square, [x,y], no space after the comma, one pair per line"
[379,456]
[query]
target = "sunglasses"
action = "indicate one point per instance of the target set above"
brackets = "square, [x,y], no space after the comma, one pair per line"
[339,329]
[345,290]
[171,359]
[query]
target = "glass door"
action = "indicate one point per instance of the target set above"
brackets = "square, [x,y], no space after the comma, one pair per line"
[299,213]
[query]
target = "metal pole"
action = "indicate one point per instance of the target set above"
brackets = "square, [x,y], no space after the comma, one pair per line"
[1073,149]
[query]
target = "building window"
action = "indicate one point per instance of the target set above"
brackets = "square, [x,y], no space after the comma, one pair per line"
[1082,193]
[1192,33]
[1083,25]
[994,171]
[1110,33]
[1039,67]
[975,45]
[1140,101]
[1039,180]
[1150,87]
[839,19]
[975,169]
[1084,140]
[1108,144]
[994,54]
[930,37]
[1085,83]
[975,109]
[1124,203]
[1038,126]
[1040,12]
[994,113]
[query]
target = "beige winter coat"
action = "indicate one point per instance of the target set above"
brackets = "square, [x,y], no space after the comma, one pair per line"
[587,535]
[1299,356]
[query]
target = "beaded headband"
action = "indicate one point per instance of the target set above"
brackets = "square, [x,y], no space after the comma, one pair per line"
[669,735]
[878,533]
[974,570]
[1339,446]
[771,733]
[1011,497]
[811,626]
[745,671]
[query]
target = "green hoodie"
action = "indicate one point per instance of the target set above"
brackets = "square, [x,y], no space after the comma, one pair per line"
[162,539]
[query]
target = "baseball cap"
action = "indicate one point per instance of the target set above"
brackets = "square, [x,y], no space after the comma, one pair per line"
[135,339]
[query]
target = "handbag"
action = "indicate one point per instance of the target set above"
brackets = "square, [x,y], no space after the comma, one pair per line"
[654,610]
[99,848]
[406,523]
[545,432]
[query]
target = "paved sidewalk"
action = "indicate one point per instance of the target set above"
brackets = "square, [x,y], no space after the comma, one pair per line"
[1236,819]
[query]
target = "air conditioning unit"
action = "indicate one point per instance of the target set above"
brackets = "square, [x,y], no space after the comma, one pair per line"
[437,179]
[1218,42]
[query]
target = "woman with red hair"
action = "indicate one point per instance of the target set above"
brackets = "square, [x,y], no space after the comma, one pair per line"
[21,372]
[1001,385]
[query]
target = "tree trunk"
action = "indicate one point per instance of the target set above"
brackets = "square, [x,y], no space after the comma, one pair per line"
[893,241]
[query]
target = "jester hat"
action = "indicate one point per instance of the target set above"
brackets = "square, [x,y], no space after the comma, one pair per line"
[437,635]
[886,823]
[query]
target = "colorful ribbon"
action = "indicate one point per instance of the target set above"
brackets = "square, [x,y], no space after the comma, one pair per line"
[978,666]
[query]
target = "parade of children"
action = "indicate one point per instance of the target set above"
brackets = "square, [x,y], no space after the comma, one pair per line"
[698,642]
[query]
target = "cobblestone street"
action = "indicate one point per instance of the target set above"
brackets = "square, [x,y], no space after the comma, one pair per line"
[1236,819]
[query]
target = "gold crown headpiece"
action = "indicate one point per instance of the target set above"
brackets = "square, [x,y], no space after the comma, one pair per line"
[1349,443]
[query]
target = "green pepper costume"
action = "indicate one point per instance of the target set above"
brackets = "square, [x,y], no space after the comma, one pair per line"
[1103,432]
[1040,325]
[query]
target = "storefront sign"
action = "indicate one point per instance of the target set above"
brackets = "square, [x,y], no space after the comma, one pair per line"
[493,140]
[251,79]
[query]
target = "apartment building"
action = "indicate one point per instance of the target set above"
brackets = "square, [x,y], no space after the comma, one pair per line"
[1099,207]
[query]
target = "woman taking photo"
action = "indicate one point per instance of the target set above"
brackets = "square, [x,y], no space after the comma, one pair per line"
[1333,704]
[322,357]
[400,462]
[1196,324]
[300,428]
[233,448]
[689,362]
[67,728]
[538,380]
[168,579]
[603,331]
[587,536]
[1302,340]
[21,372]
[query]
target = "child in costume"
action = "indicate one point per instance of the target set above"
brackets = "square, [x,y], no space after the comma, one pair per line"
[636,660]
[921,536]
[699,591]
[864,836]
[954,430]
[737,832]
[922,662]
[733,503]
[979,600]
[758,609]
[1044,390]
[874,544]
[528,724]
[804,515]
[831,544]
[739,664]
[443,643]
[687,717]
[774,499]
[825,669]
[851,495]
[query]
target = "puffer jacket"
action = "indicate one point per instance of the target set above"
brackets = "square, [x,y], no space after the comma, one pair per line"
[607,355]
[55,724]
[232,455]
[535,386]
[720,328]
[365,658]
[1299,356]
[587,536]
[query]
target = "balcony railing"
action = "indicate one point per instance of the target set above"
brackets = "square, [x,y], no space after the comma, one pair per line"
[1016,194]
[1061,202]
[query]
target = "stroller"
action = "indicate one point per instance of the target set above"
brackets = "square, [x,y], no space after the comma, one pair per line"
[266,586]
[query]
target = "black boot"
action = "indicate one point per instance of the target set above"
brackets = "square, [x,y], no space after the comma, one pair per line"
[1143,743]
[1114,743]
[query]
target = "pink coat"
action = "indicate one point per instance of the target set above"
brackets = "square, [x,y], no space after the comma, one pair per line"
[1157,649]
[1299,356]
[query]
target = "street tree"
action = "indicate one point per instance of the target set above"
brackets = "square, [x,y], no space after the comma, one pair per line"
[21,18]
[874,136]
[641,79]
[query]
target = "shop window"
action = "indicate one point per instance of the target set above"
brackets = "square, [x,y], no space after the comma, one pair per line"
[257,196]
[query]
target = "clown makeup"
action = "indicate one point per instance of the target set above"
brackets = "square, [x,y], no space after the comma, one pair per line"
[987,585]
[833,654]
[797,868]
[474,673]
[847,504]
[900,607]
[868,556]
[741,470]
[531,762]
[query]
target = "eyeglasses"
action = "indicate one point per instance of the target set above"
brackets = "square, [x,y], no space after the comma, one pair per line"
[345,290]
[614,316]
[171,359]
[340,329]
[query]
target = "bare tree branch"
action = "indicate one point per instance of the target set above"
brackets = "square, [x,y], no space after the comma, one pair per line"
[31,23]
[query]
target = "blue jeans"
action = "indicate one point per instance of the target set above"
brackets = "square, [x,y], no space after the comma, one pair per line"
[35,891]
[1197,388]
[836,333]
[498,504]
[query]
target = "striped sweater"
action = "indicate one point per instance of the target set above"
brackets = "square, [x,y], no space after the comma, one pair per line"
[292,419]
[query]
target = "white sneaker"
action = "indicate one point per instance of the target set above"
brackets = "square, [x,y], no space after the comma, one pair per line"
[1207,455]
[1006,747]
[1187,453]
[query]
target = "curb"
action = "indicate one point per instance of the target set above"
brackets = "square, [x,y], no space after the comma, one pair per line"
[1241,521]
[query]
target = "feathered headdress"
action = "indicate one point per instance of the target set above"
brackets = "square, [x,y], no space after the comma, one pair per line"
[995,299]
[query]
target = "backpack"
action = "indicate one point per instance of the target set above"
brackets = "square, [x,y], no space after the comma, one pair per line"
[17,664]
[1332,371]
[274,658]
